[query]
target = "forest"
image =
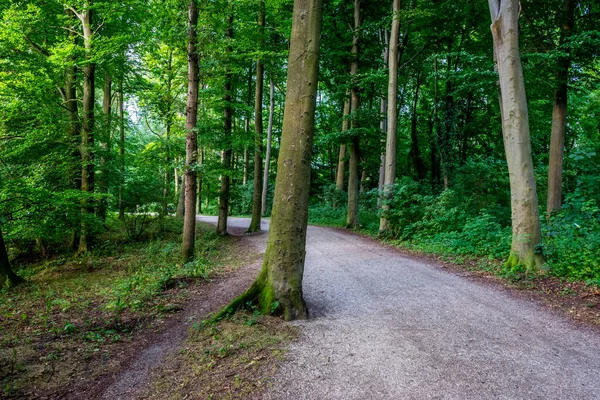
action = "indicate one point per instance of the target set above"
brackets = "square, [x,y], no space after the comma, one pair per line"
[120,121]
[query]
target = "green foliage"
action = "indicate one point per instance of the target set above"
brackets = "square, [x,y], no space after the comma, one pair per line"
[572,240]
[157,271]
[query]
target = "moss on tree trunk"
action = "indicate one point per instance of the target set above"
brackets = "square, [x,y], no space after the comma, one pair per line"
[278,288]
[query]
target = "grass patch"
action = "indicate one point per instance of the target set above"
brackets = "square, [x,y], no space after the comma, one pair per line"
[232,359]
[69,317]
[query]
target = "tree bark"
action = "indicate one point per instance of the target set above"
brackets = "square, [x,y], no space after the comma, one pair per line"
[105,143]
[191,140]
[353,175]
[121,150]
[258,129]
[392,117]
[87,129]
[559,116]
[526,234]
[269,142]
[7,276]
[384,36]
[278,288]
[246,157]
[200,181]
[74,130]
[227,152]
[180,211]
[341,166]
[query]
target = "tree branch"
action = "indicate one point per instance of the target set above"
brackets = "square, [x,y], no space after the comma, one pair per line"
[37,47]
[80,16]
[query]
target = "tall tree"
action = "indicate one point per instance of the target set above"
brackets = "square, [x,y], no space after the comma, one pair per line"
[258,128]
[559,113]
[227,151]
[105,144]
[353,165]
[191,142]
[341,165]
[265,186]
[392,114]
[121,149]
[278,287]
[526,233]
[87,129]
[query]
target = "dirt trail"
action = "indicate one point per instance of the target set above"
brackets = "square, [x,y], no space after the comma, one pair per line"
[384,326]
[130,383]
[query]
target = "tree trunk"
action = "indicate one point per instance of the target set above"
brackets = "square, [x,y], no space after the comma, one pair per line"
[200,181]
[526,235]
[392,117]
[168,117]
[191,140]
[353,179]
[269,140]
[246,157]
[258,129]
[87,130]
[341,167]
[207,204]
[7,276]
[559,116]
[385,38]
[363,181]
[74,125]
[121,150]
[73,135]
[180,211]
[106,146]
[278,288]
[415,152]
[227,152]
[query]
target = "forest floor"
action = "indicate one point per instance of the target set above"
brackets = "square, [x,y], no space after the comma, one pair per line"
[383,324]
[60,337]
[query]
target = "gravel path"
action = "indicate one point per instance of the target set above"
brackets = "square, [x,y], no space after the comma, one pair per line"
[384,326]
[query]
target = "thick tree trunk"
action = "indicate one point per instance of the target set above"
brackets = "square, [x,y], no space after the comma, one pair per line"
[191,140]
[121,150]
[269,140]
[341,165]
[524,202]
[105,144]
[258,129]
[353,176]
[559,116]
[7,276]
[392,117]
[87,131]
[227,152]
[278,288]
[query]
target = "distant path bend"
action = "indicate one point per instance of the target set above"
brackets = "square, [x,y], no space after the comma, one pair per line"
[384,326]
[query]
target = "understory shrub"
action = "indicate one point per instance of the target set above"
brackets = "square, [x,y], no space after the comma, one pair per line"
[572,241]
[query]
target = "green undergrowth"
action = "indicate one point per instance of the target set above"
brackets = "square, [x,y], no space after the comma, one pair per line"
[62,322]
[231,359]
